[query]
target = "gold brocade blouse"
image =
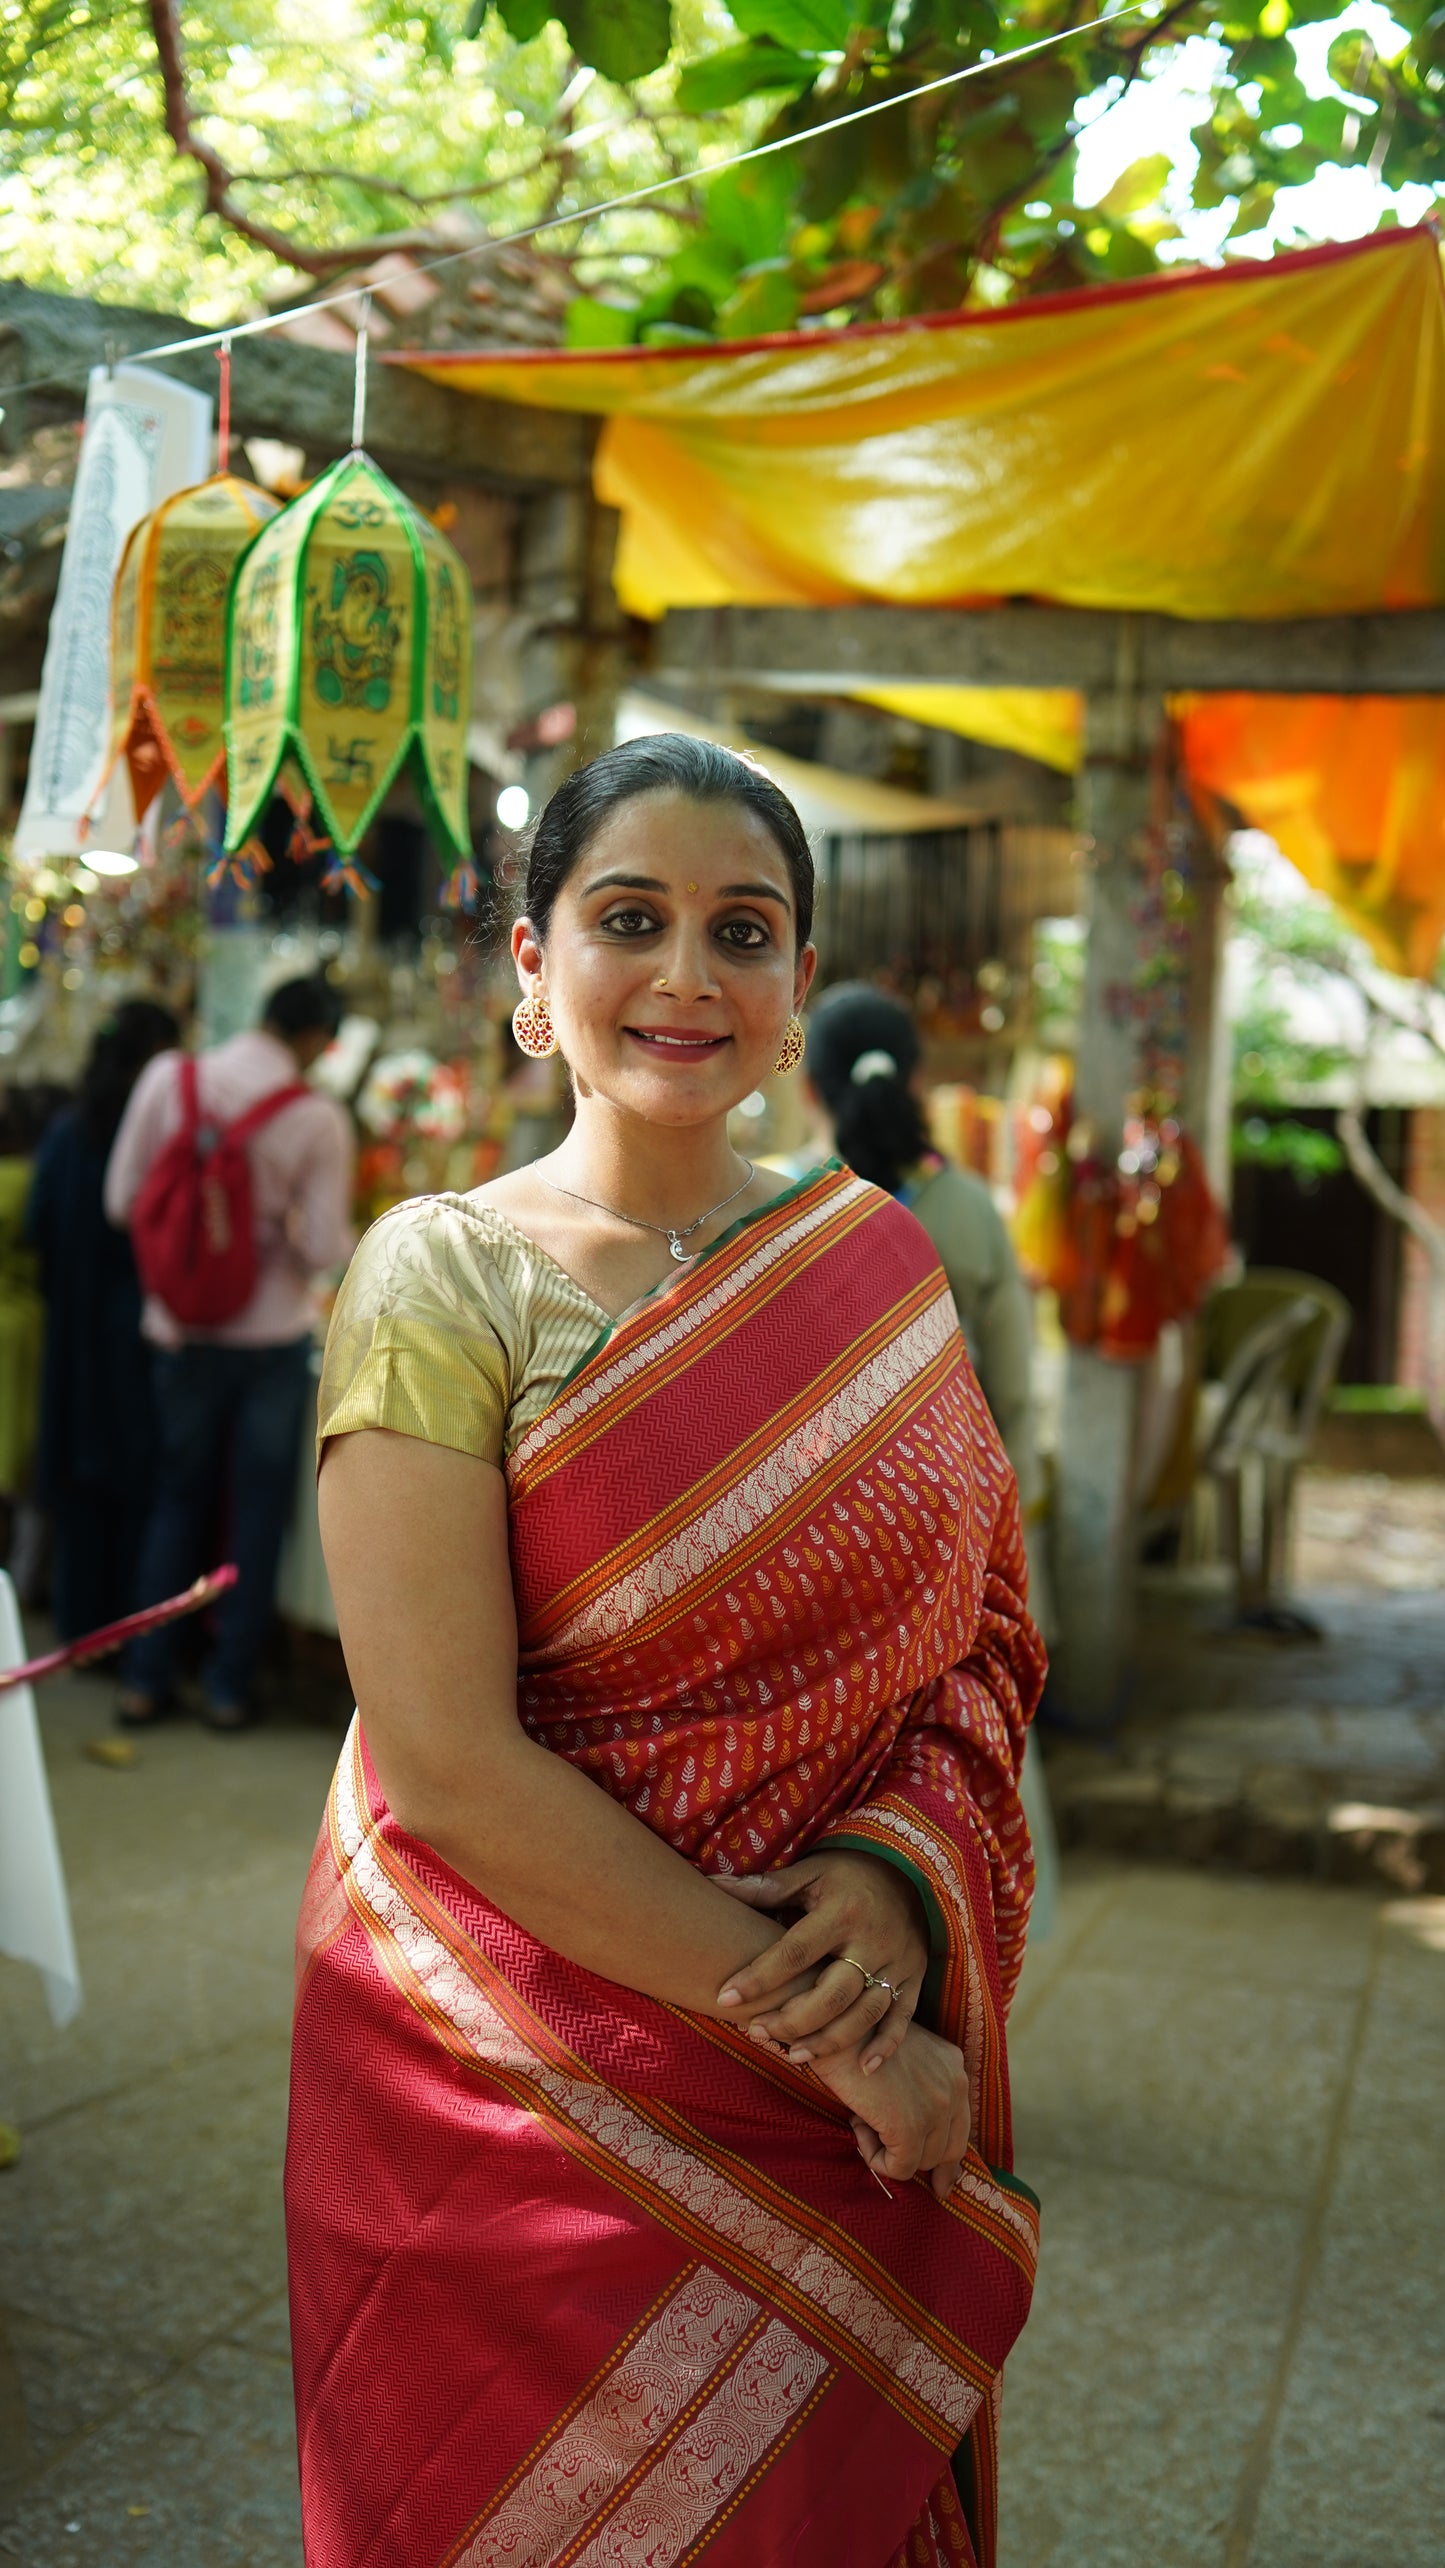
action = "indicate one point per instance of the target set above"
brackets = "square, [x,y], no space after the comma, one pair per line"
[451,1326]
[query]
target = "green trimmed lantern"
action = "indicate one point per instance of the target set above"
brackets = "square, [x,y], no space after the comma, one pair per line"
[349,653]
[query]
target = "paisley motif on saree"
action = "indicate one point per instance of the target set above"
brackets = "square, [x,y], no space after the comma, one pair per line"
[579,2277]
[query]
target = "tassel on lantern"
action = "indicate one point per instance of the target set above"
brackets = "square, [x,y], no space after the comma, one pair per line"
[460,892]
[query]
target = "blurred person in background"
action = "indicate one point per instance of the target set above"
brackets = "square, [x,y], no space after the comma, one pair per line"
[232,1399]
[863,1061]
[96,1448]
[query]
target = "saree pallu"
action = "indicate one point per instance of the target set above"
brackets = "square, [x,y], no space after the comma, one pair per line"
[577,2276]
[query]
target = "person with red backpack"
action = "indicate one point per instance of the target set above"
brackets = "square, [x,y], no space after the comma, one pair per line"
[233,1177]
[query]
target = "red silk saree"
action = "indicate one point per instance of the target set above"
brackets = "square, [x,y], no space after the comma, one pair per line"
[578,2277]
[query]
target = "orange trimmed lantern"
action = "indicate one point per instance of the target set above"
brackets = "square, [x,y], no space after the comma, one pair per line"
[169,636]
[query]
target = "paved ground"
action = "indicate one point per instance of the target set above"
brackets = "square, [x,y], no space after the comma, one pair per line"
[1231,2095]
[1324,1758]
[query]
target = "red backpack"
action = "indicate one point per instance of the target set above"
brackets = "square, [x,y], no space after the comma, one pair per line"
[193,1224]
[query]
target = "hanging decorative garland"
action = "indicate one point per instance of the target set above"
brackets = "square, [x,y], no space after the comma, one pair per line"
[348,652]
[168,623]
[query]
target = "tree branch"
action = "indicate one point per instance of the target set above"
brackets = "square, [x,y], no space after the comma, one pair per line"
[1370,1170]
[220,181]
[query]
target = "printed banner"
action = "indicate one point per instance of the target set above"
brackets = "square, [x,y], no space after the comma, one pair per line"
[144,438]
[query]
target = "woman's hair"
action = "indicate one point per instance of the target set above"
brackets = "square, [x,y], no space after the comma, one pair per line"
[862,1051]
[664,762]
[138,1030]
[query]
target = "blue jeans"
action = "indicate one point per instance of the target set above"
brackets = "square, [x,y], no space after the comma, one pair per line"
[230,1420]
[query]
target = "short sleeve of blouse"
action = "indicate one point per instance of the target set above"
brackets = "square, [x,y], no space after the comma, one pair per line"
[423,1336]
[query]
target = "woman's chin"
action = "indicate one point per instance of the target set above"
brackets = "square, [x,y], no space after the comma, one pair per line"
[681,1095]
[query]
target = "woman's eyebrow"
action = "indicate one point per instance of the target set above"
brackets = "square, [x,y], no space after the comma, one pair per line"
[650,883]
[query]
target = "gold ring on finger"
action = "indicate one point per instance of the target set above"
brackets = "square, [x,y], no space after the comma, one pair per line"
[868,1981]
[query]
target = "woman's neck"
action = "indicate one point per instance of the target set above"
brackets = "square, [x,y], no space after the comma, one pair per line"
[657,1172]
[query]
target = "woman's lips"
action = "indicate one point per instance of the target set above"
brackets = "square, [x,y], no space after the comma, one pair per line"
[677,1043]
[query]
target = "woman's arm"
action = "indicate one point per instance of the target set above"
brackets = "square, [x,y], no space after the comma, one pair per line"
[415,1538]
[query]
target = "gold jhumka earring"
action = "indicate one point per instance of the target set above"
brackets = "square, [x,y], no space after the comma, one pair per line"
[532,1025]
[794,1042]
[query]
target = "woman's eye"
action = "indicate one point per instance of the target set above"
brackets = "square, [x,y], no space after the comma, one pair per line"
[629,922]
[746,934]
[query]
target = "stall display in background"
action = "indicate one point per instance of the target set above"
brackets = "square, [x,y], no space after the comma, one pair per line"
[971,1128]
[89,929]
[1127,1244]
[168,636]
[349,643]
[425,1129]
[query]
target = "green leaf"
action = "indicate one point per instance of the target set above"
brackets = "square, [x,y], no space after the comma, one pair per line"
[623,39]
[1255,208]
[1139,185]
[748,209]
[830,167]
[740,71]
[706,261]
[672,334]
[590,324]
[523,19]
[809,26]
[763,303]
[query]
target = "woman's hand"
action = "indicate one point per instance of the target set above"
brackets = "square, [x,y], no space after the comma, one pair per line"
[912,2117]
[854,1904]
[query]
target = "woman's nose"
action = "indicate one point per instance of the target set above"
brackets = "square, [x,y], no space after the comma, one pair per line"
[687,971]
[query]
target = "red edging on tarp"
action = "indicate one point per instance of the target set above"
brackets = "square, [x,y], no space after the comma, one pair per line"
[1086,297]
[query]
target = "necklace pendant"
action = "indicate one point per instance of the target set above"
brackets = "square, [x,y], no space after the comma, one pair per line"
[675,1249]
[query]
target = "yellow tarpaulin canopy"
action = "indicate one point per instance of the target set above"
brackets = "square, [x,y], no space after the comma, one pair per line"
[1257,440]
[1262,440]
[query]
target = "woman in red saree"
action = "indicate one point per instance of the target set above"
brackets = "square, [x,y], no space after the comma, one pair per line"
[633,2222]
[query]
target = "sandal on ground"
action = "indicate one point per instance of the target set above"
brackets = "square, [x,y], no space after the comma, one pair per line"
[228,1716]
[137,1711]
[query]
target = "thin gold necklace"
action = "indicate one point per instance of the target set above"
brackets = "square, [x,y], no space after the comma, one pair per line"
[665,1230]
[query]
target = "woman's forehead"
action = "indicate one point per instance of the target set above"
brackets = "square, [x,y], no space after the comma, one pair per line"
[666,833]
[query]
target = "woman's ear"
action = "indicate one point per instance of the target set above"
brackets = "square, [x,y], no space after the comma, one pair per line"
[803,976]
[526,953]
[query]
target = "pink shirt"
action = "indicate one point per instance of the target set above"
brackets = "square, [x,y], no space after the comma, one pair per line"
[300,1175]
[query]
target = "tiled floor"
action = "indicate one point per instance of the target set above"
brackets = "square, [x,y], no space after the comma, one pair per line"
[1230,2093]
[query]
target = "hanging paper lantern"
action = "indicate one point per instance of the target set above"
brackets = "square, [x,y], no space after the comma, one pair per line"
[168,623]
[349,650]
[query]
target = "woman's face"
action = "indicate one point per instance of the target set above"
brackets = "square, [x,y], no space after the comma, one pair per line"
[670,968]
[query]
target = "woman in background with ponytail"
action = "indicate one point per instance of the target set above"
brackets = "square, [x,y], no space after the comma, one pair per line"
[863,1059]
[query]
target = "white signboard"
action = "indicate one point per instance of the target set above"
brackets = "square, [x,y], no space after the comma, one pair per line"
[144,438]
[34,1910]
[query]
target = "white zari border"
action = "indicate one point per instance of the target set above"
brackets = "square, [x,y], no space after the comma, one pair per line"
[609,2122]
[696,1548]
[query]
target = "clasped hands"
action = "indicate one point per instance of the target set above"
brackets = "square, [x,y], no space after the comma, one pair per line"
[905,2089]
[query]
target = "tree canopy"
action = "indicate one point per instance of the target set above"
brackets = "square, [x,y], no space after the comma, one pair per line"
[210,157]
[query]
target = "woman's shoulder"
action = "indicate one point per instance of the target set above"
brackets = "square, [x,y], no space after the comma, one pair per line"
[434,1257]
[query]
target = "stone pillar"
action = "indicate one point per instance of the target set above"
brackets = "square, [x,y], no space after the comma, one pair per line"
[1152,1017]
[1093,1538]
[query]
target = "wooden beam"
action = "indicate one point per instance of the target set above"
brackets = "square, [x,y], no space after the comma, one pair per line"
[281,389]
[831,650]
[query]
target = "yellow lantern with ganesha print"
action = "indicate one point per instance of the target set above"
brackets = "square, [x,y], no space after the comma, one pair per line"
[168,636]
[349,648]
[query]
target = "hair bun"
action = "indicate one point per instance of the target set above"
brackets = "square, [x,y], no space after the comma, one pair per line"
[873,1065]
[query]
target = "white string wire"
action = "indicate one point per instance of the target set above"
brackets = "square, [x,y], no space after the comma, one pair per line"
[358,398]
[618,204]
